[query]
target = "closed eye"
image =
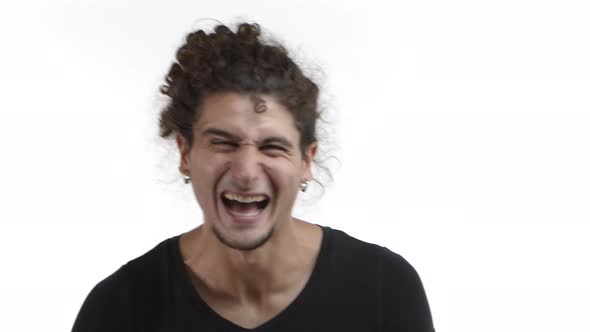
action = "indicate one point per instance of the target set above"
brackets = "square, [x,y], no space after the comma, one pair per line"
[224,143]
[273,150]
[272,147]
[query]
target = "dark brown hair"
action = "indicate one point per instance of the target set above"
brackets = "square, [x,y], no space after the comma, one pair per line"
[240,61]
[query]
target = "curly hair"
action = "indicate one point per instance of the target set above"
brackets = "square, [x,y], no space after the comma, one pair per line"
[240,61]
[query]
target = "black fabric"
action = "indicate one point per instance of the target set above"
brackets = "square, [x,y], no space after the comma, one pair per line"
[355,286]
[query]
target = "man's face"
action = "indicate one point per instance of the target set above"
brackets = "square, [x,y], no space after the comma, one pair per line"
[246,166]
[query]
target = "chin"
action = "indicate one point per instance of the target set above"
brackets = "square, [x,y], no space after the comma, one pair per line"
[249,243]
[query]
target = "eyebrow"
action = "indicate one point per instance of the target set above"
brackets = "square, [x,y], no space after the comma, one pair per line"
[268,140]
[220,132]
[277,140]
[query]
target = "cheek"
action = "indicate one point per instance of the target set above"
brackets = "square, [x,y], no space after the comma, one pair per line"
[208,164]
[207,174]
[284,174]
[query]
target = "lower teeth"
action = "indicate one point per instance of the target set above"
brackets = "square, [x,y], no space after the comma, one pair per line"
[246,209]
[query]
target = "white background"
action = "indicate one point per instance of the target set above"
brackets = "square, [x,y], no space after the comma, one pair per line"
[461,128]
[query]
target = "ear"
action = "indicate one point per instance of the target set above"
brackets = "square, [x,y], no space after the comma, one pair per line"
[308,156]
[184,151]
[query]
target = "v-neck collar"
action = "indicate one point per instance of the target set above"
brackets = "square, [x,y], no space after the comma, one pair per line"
[227,325]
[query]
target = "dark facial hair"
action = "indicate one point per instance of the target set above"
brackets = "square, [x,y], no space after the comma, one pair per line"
[243,247]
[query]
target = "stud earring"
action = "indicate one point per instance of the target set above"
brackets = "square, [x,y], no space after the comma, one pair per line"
[303,186]
[187,179]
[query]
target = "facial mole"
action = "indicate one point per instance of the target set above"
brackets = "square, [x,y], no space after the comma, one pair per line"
[259,103]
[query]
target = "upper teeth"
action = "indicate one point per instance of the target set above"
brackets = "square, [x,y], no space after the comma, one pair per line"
[245,199]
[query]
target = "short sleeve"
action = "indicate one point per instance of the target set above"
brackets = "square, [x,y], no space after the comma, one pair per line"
[106,307]
[404,306]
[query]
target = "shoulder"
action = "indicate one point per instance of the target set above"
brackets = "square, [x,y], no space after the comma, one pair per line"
[152,264]
[354,264]
[111,304]
[347,250]
[390,279]
[403,299]
[106,305]
[340,244]
[350,249]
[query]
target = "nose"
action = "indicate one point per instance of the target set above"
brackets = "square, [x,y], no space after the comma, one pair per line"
[245,167]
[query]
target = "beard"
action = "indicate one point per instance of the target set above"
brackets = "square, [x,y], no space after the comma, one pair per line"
[244,246]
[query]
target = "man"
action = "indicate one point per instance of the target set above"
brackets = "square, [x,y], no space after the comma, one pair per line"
[244,118]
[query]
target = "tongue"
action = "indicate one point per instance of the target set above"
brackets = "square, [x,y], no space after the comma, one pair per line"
[242,207]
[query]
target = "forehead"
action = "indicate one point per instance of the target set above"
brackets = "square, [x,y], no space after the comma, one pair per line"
[238,113]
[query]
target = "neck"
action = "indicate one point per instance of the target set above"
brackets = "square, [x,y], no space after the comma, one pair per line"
[247,276]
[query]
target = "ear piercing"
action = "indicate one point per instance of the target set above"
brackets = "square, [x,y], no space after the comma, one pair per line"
[303,185]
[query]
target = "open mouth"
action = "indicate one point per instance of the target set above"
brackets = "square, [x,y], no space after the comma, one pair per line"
[244,206]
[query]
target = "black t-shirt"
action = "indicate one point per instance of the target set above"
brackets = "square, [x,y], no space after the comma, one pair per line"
[354,286]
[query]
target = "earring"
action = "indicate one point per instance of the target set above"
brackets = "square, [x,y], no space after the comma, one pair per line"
[303,185]
[187,179]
